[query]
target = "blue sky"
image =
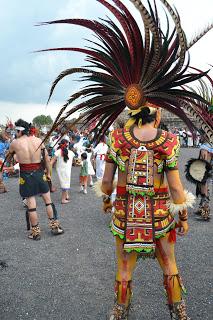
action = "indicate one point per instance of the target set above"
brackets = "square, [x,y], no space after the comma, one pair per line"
[26,77]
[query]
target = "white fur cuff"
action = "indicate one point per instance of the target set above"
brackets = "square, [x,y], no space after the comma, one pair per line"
[179,207]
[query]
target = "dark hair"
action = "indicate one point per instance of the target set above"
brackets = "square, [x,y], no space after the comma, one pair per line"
[88,148]
[84,156]
[24,124]
[164,127]
[63,145]
[145,116]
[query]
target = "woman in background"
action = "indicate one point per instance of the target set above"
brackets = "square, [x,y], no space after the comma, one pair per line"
[64,158]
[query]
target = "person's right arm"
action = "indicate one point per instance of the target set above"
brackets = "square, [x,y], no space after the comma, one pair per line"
[204,154]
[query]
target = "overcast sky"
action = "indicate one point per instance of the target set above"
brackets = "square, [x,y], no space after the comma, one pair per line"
[26,77]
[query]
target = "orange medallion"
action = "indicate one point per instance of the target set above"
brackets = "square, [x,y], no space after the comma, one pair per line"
[134,96]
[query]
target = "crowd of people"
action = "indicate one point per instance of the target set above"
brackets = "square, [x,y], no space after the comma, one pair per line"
[186,138]
[65,149]
[76,142]
[68,148]
[74,147]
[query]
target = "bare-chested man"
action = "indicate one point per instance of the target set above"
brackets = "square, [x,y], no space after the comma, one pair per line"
[33,180]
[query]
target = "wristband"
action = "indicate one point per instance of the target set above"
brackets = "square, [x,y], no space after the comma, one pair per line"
[106,198]
[183,218]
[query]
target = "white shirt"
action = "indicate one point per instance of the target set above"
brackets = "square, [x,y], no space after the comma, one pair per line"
[101,148]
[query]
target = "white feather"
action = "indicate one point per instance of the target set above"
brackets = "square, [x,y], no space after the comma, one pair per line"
[98,190]
[179,207]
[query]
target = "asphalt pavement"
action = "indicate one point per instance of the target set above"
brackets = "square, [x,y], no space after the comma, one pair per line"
[71,276]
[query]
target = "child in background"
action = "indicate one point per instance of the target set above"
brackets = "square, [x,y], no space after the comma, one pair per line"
[84,173]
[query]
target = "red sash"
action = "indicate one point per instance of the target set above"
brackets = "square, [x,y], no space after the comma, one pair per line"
[30,166]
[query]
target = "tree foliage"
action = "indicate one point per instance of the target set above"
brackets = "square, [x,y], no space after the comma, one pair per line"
[42,120]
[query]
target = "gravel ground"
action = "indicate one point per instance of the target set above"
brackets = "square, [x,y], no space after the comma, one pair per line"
[71,276]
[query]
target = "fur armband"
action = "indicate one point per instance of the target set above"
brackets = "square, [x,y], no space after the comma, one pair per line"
[97,188]
[179,207]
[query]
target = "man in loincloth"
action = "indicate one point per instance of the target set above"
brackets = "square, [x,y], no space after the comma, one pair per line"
[33,181]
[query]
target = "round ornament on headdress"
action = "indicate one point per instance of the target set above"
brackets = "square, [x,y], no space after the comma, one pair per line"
[134,97]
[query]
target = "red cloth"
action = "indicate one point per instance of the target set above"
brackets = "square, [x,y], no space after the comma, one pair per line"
[172,236]
[101,156]
[30,166]
[33,131]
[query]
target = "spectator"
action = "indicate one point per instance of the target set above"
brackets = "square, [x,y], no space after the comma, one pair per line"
[33,181]
[91,171]
[100,153]
[185,138]
[190,139]
[84,173]
[64,158]
[4,146]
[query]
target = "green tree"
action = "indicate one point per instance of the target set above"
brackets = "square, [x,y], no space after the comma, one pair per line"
[42,120]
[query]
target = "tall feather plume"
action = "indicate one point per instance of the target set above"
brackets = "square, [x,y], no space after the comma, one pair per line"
[180,33]
[150,27]
[200,35]
[205,90]
[155,59]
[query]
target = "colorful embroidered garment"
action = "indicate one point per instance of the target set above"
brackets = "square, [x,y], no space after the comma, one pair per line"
[165,146]
[140,172]
[141,211]
[139,232]
[140,188]
[137,238]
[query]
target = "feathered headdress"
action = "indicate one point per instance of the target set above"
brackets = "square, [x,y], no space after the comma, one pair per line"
[132,67]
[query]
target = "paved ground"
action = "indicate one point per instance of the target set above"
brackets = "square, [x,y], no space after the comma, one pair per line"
[70,277]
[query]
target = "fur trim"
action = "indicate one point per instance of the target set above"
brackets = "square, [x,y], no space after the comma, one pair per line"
[98,190]
[198,170]
[179,207]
